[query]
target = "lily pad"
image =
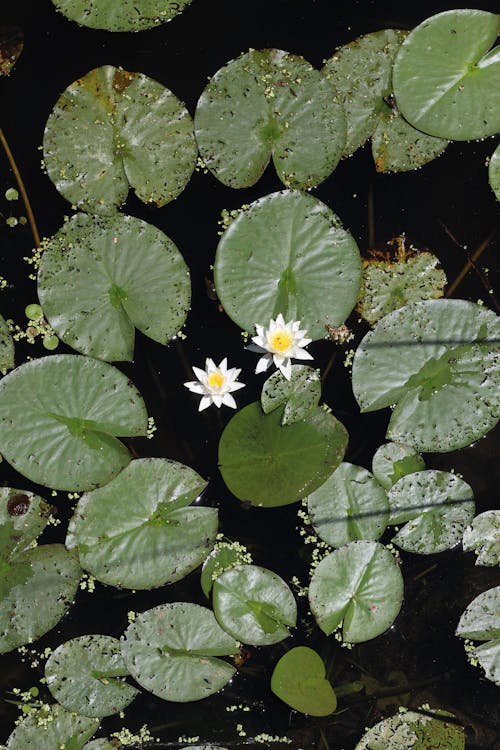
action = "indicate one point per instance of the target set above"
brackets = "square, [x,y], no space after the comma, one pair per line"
[116,288]
[446,73]
[224,556]
[268,464]
[414,731]
[254,605]
[435,507]
[358,587]
[127,15]
[52,729]
[393,461]
[171,651]
[101,744]
[270,104]
[112,130]
[139,530]
[299,395]
[83,676]
[494,172]
[483,536]
[23,517]
[438,362]
[287,253]
[6,347]
[59,418]
[481,622]
[350,505]
[299,680]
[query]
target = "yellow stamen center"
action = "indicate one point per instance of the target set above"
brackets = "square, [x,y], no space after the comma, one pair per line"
[215,379]
[280,341]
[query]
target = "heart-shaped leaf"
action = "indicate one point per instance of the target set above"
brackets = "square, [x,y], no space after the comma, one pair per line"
[52,728]
[483,536]
[393,461]
[481,622]
[127,15]
[299,395]
[299,680]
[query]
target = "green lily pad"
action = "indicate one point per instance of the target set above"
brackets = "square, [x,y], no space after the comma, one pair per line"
[23,517]
[483,536]
[59,416]
[83,675]
[437,361]
[52,729]
[270,104]
[127,15]
[268,464]
[435,507]
[494,172]
[445,75]
[350,505]
[287,253]
[299,680]
[393,461]
[41,585]
[358,587]
[6,347]
[139,530]
[481,622]
[224,556]
[254,605]
[116,288]
[171,651]
[414,731]
[111,130]
[299,395]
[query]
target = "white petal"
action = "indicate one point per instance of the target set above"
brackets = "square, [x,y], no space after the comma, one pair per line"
[223,366]
[279,359]
[205,402]
[210,365]
[232,374]
[234,386]
[229,400]
[301,354]
[302,342]
[286,369]
[280,320]
[260,341]
[200,374]
[195,386]
[263,364]
[217,399]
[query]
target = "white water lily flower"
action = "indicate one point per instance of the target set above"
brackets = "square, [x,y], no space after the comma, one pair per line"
[215,384]
[282,342]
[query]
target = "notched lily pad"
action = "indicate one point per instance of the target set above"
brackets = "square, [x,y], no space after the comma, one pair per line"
[481,622]
[171,650]
[483,536]
[6,347]
[299,395]
[112,130]
[127,15]
[116,288]
[51,729]
[59,418]
[393,461]
[11,46]
[494,172]
[269,104]
[140,531]
[299,679]
[414,731]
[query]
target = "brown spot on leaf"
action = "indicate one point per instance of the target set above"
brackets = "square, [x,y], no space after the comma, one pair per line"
[18,504]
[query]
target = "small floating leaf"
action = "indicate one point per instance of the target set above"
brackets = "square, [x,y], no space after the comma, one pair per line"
[11,46]
[483,536]
[83,675]
[112,130]
[287,253]
[52,729]
[127,15]
[300,394]
[299,680]
[254,605]
[139,530]
[393,461]
[494,172]
[223,557]
[171,651]
[117,286]
[481,622]
[414,731]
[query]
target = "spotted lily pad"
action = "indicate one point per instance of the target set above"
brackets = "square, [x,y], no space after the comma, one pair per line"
[116,289]
[435,507]
[481,622]
[139,531]
[299,395]
[85,675]
[268,464]
[483,536]
[254,605]
[412,730]
[6,347]
[446,73]
[269,103]
[393,461]
[350,505]
[51,729]
[494,172]
[358,587]
[171,650]
[112,130]
[287,253]
[127,15]
[59,418]
[299,680]
[438,362]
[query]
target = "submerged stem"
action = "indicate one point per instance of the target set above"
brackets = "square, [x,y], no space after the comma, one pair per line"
[22,189]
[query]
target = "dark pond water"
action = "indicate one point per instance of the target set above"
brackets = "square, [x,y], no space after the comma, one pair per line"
[449,198]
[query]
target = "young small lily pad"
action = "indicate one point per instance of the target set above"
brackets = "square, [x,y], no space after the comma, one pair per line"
[395,460]
[112,130]
[139,531]
[83,676]
[287,253]
[268,464]
[299,680]
[414,731]
[116,289]
[59,418]
[6,347]
[483,536]
[494,172]
[269,103]
[481,622]
[171,651]
[300,394]
[435,507]
[52,729]
[226,555]
[446,73]
[127,15]
[254,605]
[358,587]
[350,505]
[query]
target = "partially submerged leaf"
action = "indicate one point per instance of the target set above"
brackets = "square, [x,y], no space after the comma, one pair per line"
[494,172]
[52,729]
[483,536]
[300,394]
[412,730]
[299,680]
[395,460]
[127,15]
[481,622]
[6,347]
[11,46]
